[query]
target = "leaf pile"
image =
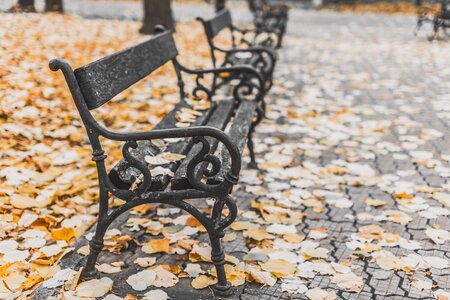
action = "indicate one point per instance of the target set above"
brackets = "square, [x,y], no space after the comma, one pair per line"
[48,184]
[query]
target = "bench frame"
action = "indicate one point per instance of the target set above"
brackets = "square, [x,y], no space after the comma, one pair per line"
[265,56]
[160,49]
[440,20]
[270,18]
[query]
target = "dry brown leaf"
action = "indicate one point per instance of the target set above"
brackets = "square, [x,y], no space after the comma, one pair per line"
[202,282]
[156,246]
[279,267]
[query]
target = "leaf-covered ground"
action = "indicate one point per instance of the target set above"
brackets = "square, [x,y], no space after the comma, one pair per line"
[48,181]
[352,199]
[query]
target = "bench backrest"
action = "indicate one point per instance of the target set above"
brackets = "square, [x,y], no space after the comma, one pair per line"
[105,78]
[255,5]
[445,6]
[218,23]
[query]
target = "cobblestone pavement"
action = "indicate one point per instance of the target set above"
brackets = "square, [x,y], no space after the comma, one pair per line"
[372,66]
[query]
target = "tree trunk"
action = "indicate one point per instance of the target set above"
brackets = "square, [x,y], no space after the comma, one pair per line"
[157,12]
[220,4]
[251,5]
[23,6]
[54,6]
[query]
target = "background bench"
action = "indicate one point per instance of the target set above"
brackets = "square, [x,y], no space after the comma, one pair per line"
[260,57]
[270,18]
[440,20]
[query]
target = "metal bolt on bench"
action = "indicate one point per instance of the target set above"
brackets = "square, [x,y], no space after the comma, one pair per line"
[202,174]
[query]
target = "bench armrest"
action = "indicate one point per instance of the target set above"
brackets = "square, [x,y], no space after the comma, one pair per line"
[244,31]
[245,73]
[195,179]
[258,50]
[253,49]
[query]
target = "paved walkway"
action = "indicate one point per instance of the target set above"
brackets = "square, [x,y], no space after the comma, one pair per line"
[361,108]
[372,66]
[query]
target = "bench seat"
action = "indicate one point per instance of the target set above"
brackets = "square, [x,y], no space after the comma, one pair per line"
[123,176]
[221,115]
[238,132]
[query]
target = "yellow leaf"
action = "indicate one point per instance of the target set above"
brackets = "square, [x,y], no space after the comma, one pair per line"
[202,282]
[279,267]
[31,281]
[21,201]
[65,234]
[243,225]
[156,246]
[293,238]
[258,234]
[375,202]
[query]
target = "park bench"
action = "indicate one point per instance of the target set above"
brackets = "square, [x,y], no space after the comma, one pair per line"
[440,19]
[270,18]
[212,145]
[260,57]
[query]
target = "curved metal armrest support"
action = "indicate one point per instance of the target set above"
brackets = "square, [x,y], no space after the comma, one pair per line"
[255,49]
[193,172]
[235,70]
[243,30]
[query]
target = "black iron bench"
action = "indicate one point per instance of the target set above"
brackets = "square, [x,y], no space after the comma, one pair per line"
[212,160]
[271,19]
[439,20]
[260,57]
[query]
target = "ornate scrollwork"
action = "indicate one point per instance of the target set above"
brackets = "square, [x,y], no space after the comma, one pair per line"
[132,163]
[244,88]
[232,213]
[201,88]
[264,63]
[135,163]
[248,89]
[259,37]
[197,169]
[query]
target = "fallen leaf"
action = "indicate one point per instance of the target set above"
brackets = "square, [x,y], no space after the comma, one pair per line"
[155,295]
[141,280]
[202,282]
[349,282]
[279,267]
[94,288]
[156,246]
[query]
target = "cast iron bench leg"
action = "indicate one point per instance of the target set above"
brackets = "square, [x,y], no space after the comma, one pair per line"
[96,244]
[223,287]
[259,117]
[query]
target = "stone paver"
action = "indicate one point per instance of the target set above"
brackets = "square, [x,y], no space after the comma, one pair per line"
[373,65]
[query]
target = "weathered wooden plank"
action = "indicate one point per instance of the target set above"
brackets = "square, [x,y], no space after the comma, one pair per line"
[238,132]
[219,119]
[103,79]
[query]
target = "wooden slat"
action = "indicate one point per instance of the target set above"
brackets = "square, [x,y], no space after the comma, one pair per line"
[121,174]
[219,119]
[238,132]
[220,21]
[103,79]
